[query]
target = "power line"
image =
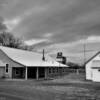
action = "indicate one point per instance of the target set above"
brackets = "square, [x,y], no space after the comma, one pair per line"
[88,50]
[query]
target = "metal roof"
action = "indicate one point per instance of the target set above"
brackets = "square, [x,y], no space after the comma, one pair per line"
[92,57]
[29,58]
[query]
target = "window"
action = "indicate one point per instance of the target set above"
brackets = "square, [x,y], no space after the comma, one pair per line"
[7,68]
[57,70]
[63,69]
[50,70]
[53,70]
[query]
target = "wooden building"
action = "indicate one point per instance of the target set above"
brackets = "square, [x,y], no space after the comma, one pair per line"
[93,68]
[21,64]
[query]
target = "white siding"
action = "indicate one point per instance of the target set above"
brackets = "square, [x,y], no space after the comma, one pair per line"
[2,72]
[89,71]
[6,60]
[96,75]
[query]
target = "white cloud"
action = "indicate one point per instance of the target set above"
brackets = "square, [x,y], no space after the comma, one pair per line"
[90,39]
[75,45]
[11,24]
[35,41]
[93,39]
[48,35]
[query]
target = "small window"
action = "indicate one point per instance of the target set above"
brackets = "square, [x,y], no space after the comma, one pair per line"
[7,68]
[53,70]
[50,70]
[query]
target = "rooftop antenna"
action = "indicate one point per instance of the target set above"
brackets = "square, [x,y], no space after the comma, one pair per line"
[43,58]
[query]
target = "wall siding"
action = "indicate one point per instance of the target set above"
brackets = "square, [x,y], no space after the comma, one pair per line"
[2,72]
[96,75]
[5,59]
[89,71]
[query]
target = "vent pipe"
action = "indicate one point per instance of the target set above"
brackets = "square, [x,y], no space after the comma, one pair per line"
[43,58]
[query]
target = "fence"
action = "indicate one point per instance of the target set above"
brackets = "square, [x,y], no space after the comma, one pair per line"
[74,70]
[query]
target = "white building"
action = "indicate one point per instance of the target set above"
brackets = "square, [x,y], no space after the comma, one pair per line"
[93,68]
[16,63]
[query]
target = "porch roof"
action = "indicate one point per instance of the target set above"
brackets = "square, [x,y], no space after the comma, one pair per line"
[28,58]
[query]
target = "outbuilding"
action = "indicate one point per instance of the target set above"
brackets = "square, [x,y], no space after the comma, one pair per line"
[93,68]
[22,64]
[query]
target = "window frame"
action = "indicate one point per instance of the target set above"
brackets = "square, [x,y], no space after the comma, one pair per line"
[7,68]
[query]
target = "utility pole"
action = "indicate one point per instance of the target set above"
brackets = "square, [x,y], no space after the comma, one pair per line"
[84,52]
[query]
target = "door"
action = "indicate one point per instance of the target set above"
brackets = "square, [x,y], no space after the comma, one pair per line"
[31,72]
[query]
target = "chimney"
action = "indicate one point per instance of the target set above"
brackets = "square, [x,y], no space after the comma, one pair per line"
[43,58]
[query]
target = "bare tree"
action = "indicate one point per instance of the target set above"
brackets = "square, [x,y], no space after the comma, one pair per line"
[8,39]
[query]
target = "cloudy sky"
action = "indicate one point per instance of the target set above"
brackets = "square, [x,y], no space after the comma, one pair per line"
[56,25]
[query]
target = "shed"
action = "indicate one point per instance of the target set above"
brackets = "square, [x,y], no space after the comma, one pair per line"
[93,68]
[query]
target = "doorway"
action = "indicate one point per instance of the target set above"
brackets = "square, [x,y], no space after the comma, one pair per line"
[18,72]
[31,72]
[41,72]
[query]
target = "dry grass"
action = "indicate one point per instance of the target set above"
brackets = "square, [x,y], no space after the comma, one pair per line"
[70,87]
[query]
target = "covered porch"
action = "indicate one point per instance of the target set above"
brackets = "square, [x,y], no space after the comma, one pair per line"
[28,72]
[38,72]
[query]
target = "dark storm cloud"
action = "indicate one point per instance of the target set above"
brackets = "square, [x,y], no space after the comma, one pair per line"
[66,20]
[2,26]
[54,24]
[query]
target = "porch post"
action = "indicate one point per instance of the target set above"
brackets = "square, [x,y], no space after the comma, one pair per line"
[12,72]
[26,73]
[37,73]
[45,72]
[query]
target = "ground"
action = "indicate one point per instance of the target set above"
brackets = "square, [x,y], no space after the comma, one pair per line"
[69,87]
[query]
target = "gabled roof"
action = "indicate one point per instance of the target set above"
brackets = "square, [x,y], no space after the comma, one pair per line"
[29,58]
[92,57]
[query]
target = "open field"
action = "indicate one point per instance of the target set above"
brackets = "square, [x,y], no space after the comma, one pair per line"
[70,87]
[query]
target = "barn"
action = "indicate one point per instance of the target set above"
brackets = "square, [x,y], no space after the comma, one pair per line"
[93,68]
[22,64]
